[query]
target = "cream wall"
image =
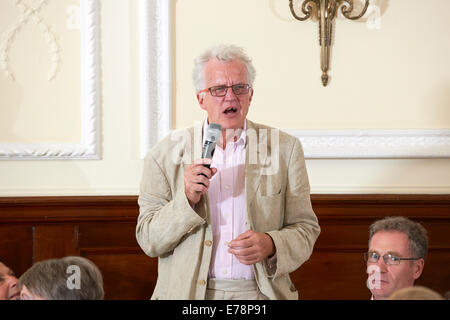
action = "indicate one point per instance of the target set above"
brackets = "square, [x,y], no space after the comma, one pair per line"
[395,77]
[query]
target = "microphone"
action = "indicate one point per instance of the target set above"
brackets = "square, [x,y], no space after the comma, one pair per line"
[212,135]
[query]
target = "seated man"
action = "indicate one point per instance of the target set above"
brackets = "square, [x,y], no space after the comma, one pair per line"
[9,290]
[396,256]
[69,278]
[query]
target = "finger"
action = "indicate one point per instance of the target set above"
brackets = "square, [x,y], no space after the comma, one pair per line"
[235,244]
[243,252]
[202,161]
[245,235]
[196,187]
[249,260]
[200,170]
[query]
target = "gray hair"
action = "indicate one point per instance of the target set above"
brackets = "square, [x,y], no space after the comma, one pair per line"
[223,53]
[49,279]
[417,234]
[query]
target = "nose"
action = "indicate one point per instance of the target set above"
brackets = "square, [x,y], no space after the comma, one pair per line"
[230,94]
[13,282]
[382,265]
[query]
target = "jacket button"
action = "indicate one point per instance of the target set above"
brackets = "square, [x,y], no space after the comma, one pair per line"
[202,282]
[208,243]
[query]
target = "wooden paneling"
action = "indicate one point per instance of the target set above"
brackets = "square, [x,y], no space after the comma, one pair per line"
[16,246]
[55,241]
[103,230]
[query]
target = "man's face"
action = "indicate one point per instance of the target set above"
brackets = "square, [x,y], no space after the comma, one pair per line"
[219,109]
[393,277]
[9,289]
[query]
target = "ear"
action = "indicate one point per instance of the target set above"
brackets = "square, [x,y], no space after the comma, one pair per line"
[251,95]
[418,268]
[201,99]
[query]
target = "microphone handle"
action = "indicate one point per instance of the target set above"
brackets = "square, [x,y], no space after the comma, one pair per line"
[207,166]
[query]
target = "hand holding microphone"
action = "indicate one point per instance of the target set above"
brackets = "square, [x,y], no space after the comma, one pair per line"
[198,174]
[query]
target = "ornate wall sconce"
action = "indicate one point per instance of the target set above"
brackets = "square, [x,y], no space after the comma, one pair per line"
[326,12]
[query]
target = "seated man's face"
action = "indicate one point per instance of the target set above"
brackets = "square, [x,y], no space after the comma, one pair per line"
[9,289]
[392,277]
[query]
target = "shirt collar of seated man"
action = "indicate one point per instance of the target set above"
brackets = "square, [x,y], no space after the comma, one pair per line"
[9,289]
[230,110]
[392,277]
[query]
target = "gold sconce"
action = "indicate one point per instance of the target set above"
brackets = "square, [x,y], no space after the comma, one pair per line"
[326,12]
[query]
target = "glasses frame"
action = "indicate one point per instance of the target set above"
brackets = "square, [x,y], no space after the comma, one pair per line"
[386,258]
[226,91]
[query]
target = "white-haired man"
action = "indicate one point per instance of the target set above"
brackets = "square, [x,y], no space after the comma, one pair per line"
[235,230]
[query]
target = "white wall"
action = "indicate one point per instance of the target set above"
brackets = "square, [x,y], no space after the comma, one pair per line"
[395,77]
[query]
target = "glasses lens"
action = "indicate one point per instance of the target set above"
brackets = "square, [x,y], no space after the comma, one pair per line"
[240,88]
[371,257]
[219,91]
[390,259]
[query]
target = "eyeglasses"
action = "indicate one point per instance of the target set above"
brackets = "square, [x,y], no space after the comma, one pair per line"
[221,91]
[389,259]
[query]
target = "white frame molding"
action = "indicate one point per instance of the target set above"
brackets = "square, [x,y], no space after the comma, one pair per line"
[89,146]
[155,67]
[155,22]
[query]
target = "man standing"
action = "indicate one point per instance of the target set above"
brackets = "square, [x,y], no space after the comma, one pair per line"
[237,230]
[396,256]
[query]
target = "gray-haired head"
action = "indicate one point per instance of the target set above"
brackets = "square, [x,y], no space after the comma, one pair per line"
[417,234]
[49,279]
[223,53]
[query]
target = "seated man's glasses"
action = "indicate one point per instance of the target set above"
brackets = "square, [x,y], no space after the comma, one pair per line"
[372,257]
[221,91]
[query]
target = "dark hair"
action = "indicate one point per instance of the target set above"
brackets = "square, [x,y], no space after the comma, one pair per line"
[417,234]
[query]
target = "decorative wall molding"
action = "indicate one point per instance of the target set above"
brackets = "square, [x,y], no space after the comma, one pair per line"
[89,146]
[318,144]
[155,66]
[28,12]
[374,143]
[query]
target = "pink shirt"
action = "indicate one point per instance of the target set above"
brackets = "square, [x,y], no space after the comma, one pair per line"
[228,207]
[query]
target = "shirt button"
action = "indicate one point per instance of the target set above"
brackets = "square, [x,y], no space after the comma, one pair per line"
[227,187]
[202,282]
[208,243]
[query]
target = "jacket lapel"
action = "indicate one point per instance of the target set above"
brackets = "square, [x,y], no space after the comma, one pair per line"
[253,160]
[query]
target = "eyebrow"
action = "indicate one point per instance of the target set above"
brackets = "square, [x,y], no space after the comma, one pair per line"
[393,253]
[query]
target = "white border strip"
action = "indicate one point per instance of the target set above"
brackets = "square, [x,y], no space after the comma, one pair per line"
[155,62]
[89,147]
[155,66]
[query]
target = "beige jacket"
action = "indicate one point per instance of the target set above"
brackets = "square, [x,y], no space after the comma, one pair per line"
[278,203]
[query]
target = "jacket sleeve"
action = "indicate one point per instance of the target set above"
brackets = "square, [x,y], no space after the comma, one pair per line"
[294,242]
[165,215]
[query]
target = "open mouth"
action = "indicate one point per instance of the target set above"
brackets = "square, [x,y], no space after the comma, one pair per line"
[230,110]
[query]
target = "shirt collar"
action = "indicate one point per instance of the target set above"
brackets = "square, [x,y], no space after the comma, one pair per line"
[234,136]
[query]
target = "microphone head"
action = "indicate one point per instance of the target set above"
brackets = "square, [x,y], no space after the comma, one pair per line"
[213,132]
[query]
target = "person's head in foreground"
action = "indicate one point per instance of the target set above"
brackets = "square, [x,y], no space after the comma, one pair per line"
[396,256]
[9,288]
[69,278]
[415,293]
